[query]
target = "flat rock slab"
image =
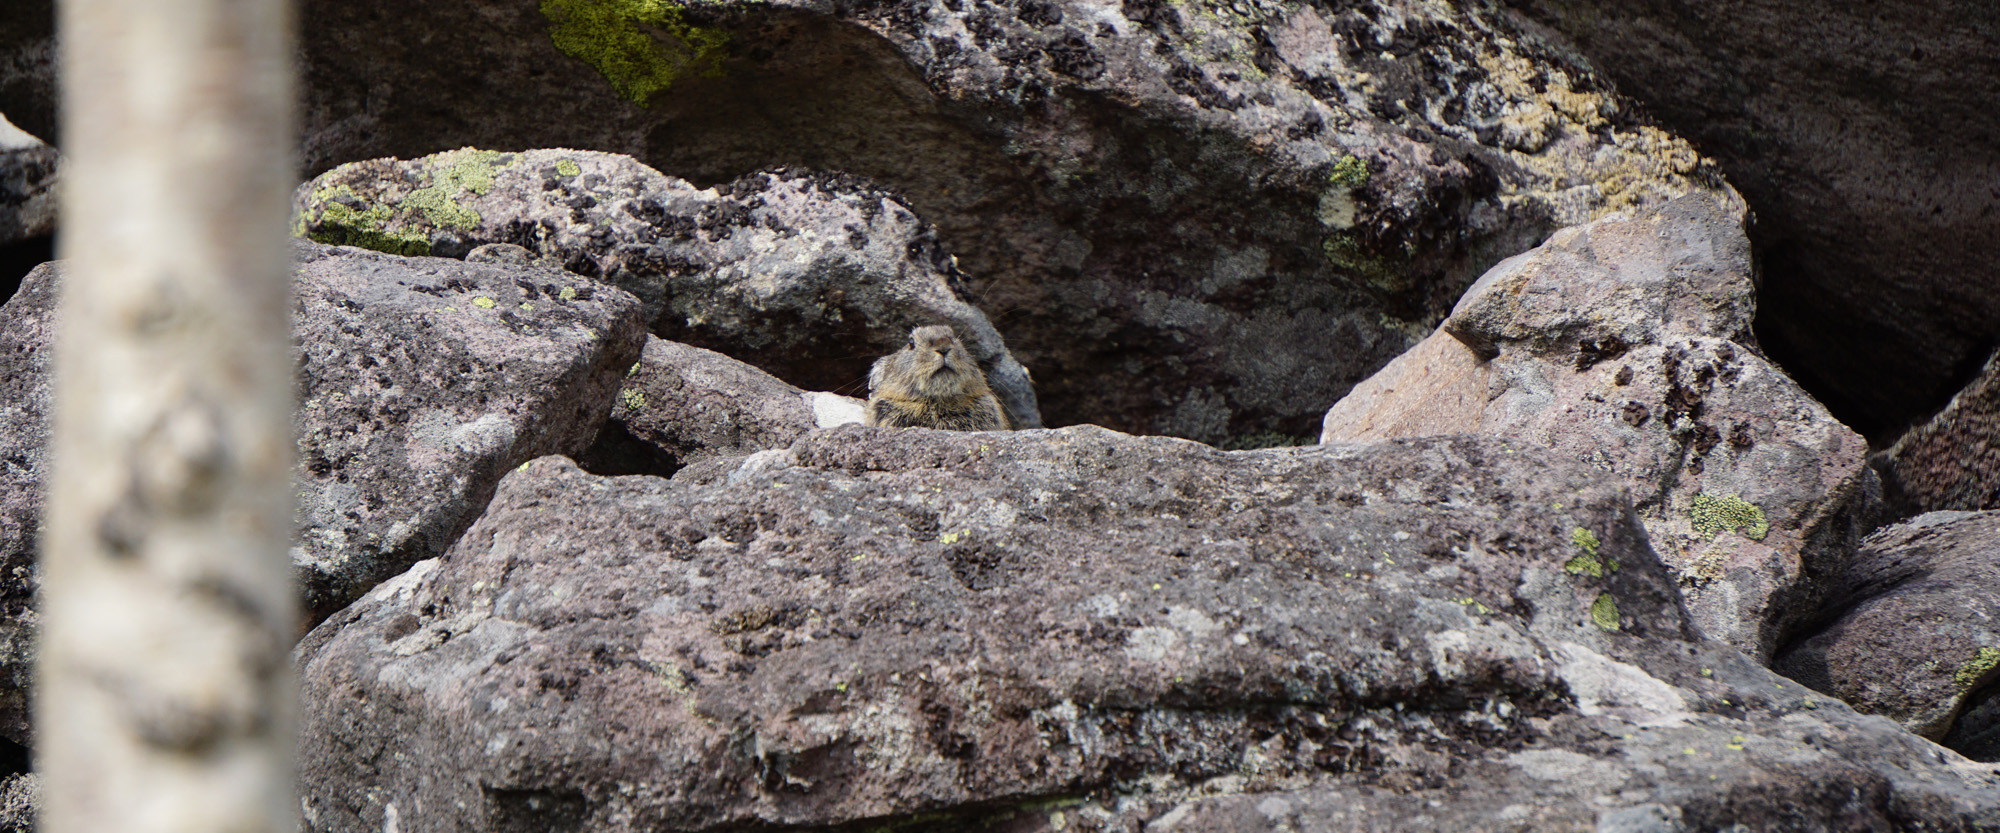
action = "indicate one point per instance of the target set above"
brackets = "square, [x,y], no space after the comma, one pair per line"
[809,276]
[423,381]
[683,405]
[1048,629]
[1917,636]
[1951,461]
[1622,344]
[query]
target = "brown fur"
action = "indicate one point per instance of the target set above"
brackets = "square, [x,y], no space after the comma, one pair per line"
[932,383]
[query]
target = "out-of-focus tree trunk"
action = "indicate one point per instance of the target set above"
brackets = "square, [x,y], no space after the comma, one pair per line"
[164,699]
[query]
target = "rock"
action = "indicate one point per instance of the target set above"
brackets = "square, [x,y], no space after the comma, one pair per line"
[810,276]
[684,405]
[1624,344]
[423,381]
[1863,138]
[1952,461]
[20,802]
[1207,221]
[1074,629]
[28,171]
[27,364]
[1916,636]
[28,67]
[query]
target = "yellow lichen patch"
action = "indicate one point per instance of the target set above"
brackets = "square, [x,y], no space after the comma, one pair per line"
[1711,516]
[453,173]
[1982,661]
[633,399]
[1604,612]
[641,46]
[567,167]
[483,302]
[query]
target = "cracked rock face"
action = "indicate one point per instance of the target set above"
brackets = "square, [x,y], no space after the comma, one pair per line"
[810,276]
[1915,631]
[1623,344]
[1073,629]
[27,365]
[1200,220]
[1863,137]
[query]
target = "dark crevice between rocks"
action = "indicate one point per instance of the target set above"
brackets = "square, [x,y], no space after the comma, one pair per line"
[617,453]
[1976,733]
[19,258]
[15,759]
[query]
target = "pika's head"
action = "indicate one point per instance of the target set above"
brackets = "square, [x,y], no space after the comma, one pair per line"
[933,365]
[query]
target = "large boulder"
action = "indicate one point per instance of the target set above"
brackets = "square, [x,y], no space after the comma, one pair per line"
[27,366]
[1203,220]
[422,381]
[1076,629]
[1864,136]
[683,405]
[1916,633]
[1951,461]
[28,169]
[809,276]
[1625,344]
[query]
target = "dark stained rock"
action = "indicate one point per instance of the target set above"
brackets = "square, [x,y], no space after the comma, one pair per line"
[28,66]
[1917,634]
[683,405]
[1625,344]
[1076,629]
[27,364]
[1866,140]
[423,380]
[1952,461]
[809,276]
[1202,220]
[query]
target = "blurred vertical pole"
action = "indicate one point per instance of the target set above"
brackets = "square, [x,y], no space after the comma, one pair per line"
[164,700]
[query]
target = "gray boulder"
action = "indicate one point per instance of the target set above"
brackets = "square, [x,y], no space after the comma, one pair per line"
[27,365]
[1864,138]
[1951,461]
[1916,636]
[1625,344]
[1075,629]
[809,276]
[423,381]
[683,405]
[28,170]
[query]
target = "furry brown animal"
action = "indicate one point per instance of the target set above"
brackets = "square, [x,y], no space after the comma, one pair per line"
[932,383]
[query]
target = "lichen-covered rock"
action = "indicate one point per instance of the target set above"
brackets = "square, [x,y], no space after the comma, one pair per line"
[683,405]
[423,380]
[28,169]
[1953,460]
[27,365]
[809,276]
[1207,220]
[1073,629]
[1916,631]
[1622,344]
[1863,138]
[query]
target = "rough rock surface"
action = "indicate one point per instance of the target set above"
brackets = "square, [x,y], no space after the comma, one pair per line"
[28,67]
[1866,140]
[1173,209]
[27,364]
[1076,629]
[683,405]
[27,185]
[1917,636]
[423,380]
[809,276]
[1952,461]
[1622,344]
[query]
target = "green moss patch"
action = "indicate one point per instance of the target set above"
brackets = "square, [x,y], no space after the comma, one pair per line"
[641,46]
[1349,172]
[1982,661]
[1588,564]
[1713,515]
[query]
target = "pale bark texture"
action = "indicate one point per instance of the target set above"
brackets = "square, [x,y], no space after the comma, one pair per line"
[164,697]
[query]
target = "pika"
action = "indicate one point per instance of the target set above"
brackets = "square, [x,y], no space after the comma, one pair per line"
[932,383]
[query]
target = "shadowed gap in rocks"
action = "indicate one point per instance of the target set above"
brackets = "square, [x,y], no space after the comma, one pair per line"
[19,258]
